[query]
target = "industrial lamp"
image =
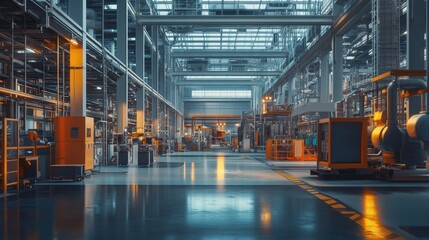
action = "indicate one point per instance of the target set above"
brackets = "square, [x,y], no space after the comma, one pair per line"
[74,41]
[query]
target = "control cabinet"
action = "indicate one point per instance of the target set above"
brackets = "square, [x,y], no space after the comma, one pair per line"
[342,143]
[74,141]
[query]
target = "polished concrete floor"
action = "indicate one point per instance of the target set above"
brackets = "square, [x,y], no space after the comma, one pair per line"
[216,196]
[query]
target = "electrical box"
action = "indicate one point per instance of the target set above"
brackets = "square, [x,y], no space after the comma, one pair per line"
[342,143]
[74,141]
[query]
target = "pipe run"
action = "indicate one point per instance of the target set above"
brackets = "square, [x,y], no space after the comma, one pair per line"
[390,137]
[392,96]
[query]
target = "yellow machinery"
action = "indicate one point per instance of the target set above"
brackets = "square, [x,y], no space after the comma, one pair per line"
[289,149]
[74,141]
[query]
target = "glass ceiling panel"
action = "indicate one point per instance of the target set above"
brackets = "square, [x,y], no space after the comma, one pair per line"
[274,38]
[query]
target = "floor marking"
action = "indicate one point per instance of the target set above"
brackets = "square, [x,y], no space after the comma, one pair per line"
[348,212]
[371,228]
[322,197]
[337,206]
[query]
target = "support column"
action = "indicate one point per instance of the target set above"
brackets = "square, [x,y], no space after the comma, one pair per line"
[256,97]
[122,54]
[161,72]
[192,128]
[289,98]
[179,127]
[77,11]
[140,70]
[140,107]
[155,120]
[337,48]
[324,78]
[154,59]
[427,54]
[415,46]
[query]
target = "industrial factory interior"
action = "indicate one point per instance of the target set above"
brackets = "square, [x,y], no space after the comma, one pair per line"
[214,119]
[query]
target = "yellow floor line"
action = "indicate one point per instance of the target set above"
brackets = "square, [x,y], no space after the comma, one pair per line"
[330,202]
[337,206]
[372,230]
[348,212]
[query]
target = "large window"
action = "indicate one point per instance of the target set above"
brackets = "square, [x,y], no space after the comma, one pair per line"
[221,93]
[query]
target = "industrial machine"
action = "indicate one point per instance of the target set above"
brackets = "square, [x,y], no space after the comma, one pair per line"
[74,141]
[145,154]
[124,154]
[401,137]
[342,147]
[402,145]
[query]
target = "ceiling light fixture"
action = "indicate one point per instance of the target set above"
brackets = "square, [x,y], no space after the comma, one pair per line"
[74,41]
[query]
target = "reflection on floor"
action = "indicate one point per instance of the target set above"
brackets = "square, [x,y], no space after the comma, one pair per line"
[208,196]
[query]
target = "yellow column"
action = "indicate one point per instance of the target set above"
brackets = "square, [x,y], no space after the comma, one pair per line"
[77,80]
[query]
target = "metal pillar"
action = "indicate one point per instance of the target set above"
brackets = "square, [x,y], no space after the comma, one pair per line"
[140,107]
[256,97]
[122,54]
[289,99]
[154,59]
[337,48]
[140,70]
[415,46]
[324,78]
[427,52]
[192,128]
[77,11]
[155,120]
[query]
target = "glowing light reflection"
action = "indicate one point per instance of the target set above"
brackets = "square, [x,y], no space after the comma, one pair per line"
[184,171]
[192,172]
[265,218]
[220,170]
[371,222]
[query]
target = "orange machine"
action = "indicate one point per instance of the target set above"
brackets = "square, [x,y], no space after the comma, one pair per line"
[74,141]
[342,143]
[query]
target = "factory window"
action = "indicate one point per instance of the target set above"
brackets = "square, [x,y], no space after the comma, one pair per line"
[221,93]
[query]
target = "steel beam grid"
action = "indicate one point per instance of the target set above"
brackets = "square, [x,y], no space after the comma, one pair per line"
[236,20]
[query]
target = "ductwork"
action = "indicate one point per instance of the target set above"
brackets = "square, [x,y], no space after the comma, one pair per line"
[390,137]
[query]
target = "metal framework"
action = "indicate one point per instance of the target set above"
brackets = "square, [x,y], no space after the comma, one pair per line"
[220,83]
[227,54]
[227,73]
[237,20]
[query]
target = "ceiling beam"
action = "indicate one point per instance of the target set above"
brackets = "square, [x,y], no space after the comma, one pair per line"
[219,83]
[227,54]
[217,79]
[241,2]
[216,99]
[226,73]
[237,20]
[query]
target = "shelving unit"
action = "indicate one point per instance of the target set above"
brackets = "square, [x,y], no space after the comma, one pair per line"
[9,155]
